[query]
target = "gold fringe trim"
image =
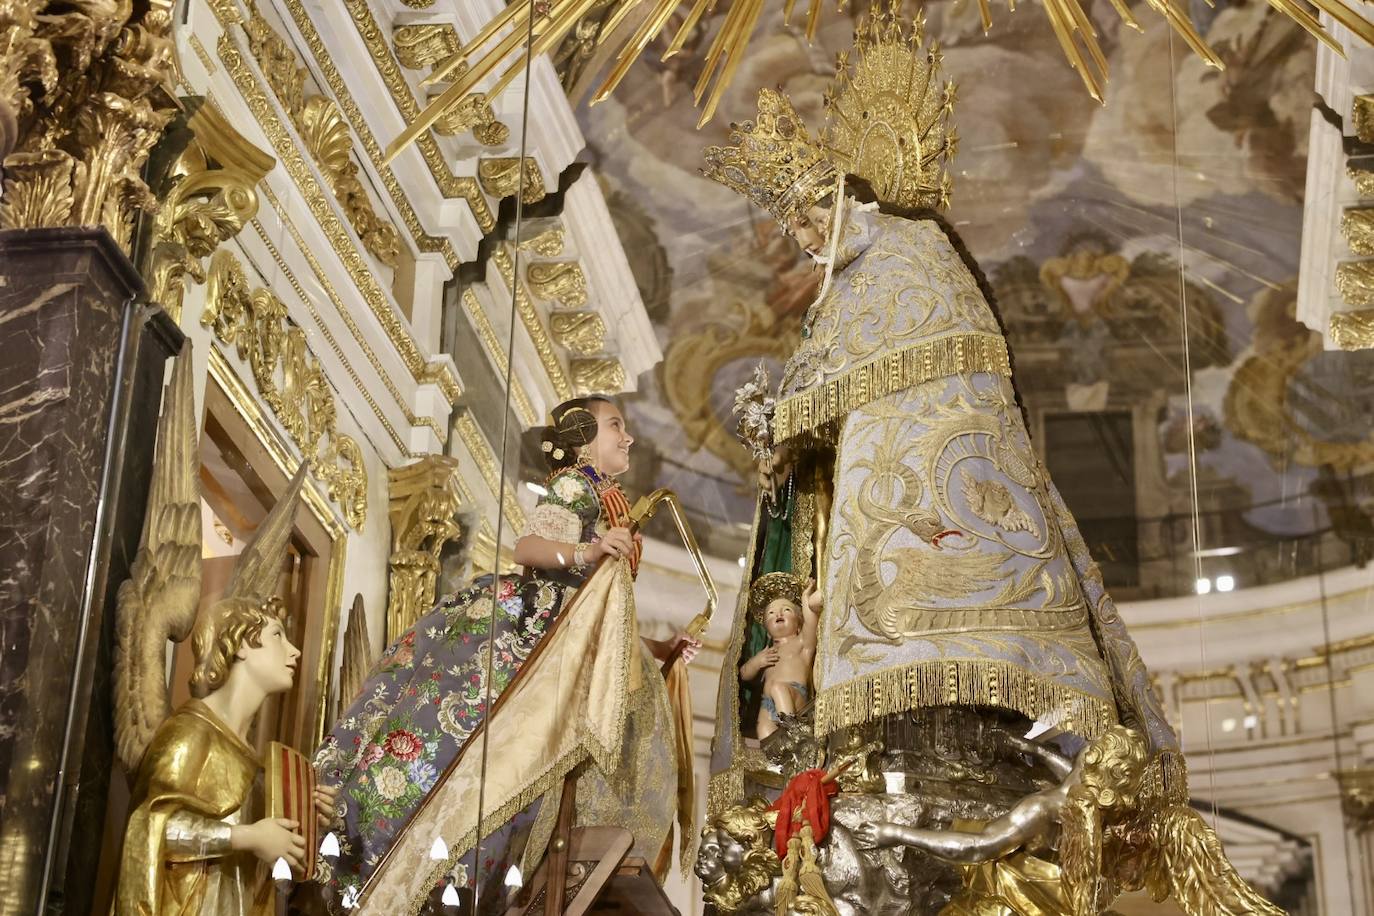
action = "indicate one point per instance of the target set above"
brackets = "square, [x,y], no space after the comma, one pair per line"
[957,354]
[975,682]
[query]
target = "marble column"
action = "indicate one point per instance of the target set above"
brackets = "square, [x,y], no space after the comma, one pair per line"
[81,359]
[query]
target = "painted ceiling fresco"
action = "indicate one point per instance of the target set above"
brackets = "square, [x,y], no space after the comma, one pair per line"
[1080,214]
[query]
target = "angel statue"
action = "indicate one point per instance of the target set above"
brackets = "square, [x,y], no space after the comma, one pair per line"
[194,843]
[897,465]
[1161,845]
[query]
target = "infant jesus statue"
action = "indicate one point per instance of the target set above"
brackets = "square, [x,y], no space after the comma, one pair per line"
[790,614]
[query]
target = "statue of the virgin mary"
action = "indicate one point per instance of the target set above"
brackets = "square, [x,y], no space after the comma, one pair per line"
[901,473]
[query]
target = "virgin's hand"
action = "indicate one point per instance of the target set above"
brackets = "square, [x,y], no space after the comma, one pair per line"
[270,839]
[765,478]
[618,542]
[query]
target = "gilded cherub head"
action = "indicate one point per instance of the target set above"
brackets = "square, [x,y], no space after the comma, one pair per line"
[736,859]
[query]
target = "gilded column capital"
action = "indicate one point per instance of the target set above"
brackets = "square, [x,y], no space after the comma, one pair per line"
[424,503]
[74,141]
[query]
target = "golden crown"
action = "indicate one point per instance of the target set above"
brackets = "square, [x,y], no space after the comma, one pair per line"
[887,118]
[773,162]
[769,588]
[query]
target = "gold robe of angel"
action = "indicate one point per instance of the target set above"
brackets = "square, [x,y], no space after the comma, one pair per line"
[195,781]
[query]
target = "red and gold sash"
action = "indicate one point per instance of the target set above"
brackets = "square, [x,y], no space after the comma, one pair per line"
[616,505]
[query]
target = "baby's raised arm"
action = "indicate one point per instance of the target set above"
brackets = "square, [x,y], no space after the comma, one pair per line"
[811,615]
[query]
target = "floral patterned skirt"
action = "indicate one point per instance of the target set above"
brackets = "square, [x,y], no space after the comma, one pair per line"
[425,697]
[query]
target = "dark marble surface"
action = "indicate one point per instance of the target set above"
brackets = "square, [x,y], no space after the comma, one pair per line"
[64,294]
[82,841]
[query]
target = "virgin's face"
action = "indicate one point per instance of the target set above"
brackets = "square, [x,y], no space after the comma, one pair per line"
[809,229]
[271,663]
[611,447]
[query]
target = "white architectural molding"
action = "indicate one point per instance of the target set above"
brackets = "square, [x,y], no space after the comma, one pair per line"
[1328,191]
[610,281]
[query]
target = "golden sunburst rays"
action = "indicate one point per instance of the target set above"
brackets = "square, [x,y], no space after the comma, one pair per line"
[527,27]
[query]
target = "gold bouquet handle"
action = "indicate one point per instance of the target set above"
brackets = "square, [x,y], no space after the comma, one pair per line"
[644,509]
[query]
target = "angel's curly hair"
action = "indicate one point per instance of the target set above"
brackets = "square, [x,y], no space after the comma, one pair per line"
[230,625]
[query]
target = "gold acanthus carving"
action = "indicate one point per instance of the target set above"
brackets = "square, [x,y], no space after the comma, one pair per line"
[1357,225]
[211,193]
[547,244]
[563,282]
[583,333]
[600,375]
[1353,330]
[74,137]
[359,271]
[429,44]
[1355,282]
[289,380]
[325,133]
[543,344]
[450,185]
[228,16]
[500,177]
[424,503]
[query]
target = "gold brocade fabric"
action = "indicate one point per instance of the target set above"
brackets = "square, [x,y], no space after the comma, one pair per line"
[569,706]
[194,764]
[948,580]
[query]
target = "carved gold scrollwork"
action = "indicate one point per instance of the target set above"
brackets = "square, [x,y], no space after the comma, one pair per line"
[288,378]
[424,503]
[547,244]
[500,177]
[583,333]
[1357,225]
[74,140]
[212,194]
[1364,180]
[597,375]
[561,281]
[436,44]
[1353,330]
[1362,115]
[1355,282]
[325,132]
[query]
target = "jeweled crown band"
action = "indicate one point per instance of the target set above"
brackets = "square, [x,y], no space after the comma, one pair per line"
[956,354]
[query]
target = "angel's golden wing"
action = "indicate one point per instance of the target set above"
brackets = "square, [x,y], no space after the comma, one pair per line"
[158,601]
[1190,864]
[1080,853]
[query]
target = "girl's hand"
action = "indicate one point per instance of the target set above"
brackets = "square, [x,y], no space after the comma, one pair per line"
[690,646]
[324,798]
[618,542]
